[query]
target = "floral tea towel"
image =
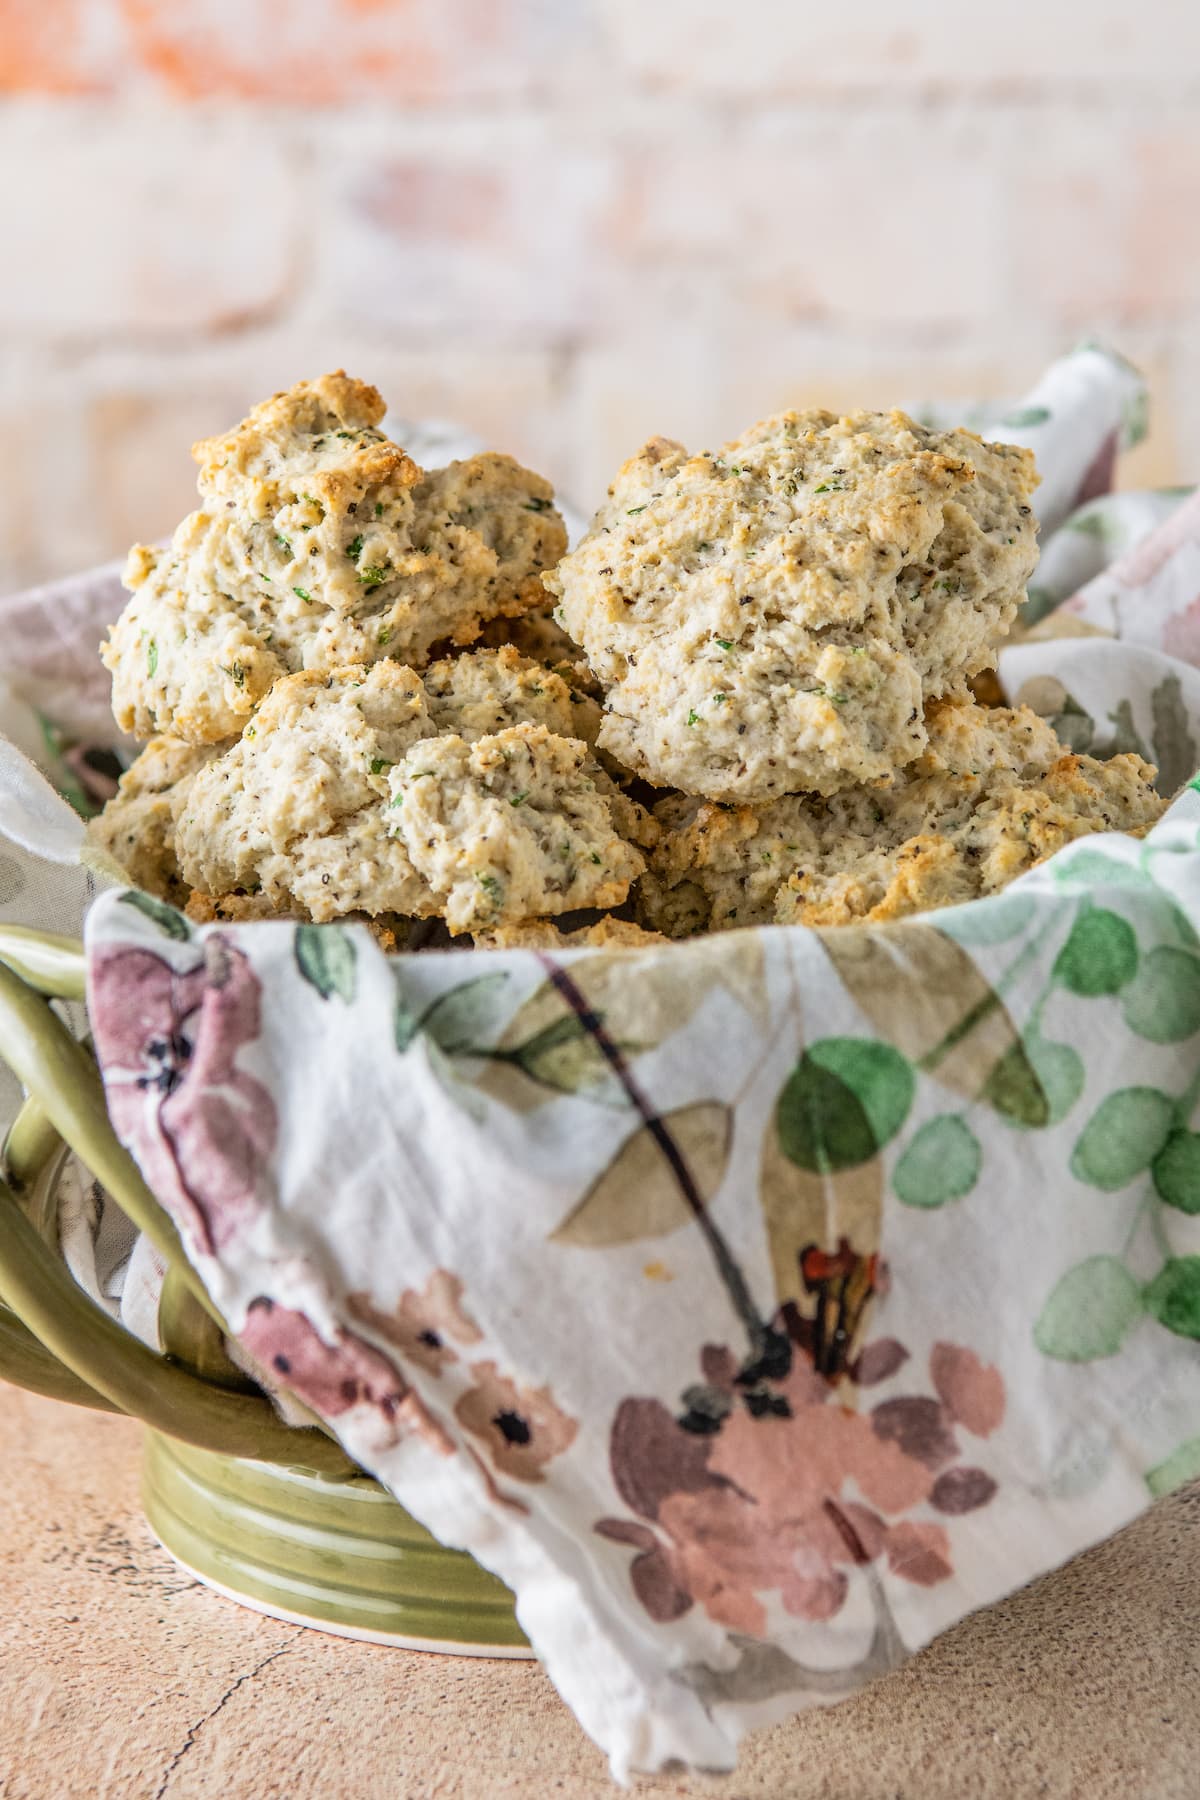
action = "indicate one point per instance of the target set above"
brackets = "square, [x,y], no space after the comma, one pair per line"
[758,1305]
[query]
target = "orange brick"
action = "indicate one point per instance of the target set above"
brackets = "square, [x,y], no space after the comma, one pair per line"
[327,52]
[47,48]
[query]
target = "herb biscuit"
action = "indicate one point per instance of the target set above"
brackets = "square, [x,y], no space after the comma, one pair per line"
[137,826]
[345,795]
[773,618]
[993,793]
[319,544]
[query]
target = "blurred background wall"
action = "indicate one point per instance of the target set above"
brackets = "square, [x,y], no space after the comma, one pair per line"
[569,223]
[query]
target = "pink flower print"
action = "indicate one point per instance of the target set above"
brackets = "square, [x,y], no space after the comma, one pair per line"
[201,1128]
[335,1379]
[522,1428]
[971,1391]
[784,1489]
[424,1321]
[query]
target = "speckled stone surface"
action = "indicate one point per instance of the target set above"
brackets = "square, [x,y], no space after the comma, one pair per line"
[121,1679]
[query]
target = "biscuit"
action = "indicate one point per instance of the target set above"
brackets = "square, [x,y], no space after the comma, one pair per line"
[341,797]
[390,934]
[513,826]
[319,544]
[543,934]
[137,826]
[297,809]
[485,691]
[992,794]
[774,618]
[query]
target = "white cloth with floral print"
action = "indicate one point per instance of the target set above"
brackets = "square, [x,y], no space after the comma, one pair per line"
[758,1305]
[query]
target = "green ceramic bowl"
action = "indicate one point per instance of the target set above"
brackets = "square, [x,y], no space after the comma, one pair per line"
[274,1516]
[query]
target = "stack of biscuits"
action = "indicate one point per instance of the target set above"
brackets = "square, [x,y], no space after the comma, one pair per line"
[375,691]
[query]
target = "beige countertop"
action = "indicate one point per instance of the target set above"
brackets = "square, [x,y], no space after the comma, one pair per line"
[122,1679]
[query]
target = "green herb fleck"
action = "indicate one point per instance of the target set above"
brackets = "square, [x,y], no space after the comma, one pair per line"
[379,764]
[595,856]
[719,699]
[372,578]
[303,593]
[630,510]
[533,504]
[519,799]
[238,675]
[828,487]
[490,886]
[379,509]
[152,657]
[725,643]
[250,731]
[693,718]
[384,636]
[345,434]
[284,543]
[354,548]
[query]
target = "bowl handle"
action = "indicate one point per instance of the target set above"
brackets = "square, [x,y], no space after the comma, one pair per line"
[53,1337]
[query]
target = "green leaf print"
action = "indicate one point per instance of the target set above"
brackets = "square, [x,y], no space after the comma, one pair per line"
[165,917]
[406,1024]
[985,922]
[565,1056]
[1122,1138]
[1175,1171]
[1100,956]
[540,1053]
[1038,602]
[1060,1073]
[466,1017]
[1014,1089]
[941,1163]
[1175,749]
[1093,868]
[843,1101]
[1089,1311]
[921,989]
[638,1195]
[1173,1297]
[1163,1004]
[1092,521]
[1074,727]
[326,957]
[1126,739]
[1023,416]
[458,1022]
[1183,1465]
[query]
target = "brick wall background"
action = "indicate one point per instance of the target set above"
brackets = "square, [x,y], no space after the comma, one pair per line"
[569,223]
